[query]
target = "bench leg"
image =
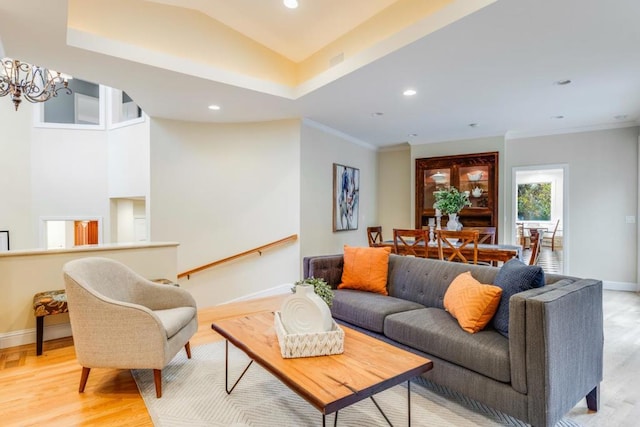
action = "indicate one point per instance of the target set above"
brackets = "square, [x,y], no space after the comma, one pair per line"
[39,334]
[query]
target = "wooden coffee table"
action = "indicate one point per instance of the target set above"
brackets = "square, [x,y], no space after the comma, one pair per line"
[329,383]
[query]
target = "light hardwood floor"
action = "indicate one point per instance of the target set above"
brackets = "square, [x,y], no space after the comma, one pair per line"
[44,390]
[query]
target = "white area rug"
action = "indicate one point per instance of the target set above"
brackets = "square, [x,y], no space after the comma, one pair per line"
[194,395]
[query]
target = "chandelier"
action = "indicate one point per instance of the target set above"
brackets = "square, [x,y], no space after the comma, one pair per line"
[35,83]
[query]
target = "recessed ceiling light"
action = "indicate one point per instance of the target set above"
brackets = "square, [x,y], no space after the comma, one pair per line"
[563,82]
[409,92]
[473,125]
[214,107]
[412,135]
[377,114]
[620,117]
[291,4]
[557,117]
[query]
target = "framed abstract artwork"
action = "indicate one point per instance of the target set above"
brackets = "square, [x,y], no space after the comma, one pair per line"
[4,241]
[346,194]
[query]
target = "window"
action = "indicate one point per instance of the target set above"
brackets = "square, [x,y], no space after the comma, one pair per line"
[534,201]
[82,107]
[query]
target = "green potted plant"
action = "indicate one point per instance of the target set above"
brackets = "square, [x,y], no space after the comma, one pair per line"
[320,287]
[450,202]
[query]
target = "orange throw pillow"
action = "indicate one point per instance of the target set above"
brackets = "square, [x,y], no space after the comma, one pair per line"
[471,303]
[365,269]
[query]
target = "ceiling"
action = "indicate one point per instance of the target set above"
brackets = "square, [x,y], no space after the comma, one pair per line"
[495,67]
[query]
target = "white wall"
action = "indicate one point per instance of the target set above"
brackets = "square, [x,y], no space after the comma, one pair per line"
[222,189]
[395,191]
[128,160]
[65,173]
[321,148]
[69,175]
[15,164]
[603,190]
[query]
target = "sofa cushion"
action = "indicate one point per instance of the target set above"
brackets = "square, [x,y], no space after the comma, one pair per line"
[366,309]
[425,281]
[472,303]
[434,331]
[514,277]
[365,269]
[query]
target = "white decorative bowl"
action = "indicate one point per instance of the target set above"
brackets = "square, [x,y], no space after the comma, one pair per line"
[439,177]
[474,176]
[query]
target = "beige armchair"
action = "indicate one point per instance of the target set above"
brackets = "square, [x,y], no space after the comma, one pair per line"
[122,320]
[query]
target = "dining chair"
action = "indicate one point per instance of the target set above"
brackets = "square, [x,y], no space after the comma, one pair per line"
[551,236]
[374,235]
[535,246]
[411,242]
[486,235]
[456,241]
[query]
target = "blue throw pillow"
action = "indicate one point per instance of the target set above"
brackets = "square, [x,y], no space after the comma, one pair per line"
[514,277]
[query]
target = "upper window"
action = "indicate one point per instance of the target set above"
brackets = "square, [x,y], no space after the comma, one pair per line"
[90,106]
[82,107]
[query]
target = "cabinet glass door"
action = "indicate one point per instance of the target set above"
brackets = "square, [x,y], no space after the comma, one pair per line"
[475,181]
[434,180]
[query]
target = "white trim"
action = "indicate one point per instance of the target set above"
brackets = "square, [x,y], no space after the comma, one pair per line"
[277,290]
[28,336]
[339,134]
[530,134]
[619,286]
[565,205]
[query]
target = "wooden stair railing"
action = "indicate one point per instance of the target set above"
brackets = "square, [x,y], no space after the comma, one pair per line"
[259,250]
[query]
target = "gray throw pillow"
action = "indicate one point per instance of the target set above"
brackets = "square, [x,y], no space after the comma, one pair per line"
[514,277]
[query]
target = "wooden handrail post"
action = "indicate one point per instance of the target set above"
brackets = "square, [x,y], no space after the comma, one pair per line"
[259,250]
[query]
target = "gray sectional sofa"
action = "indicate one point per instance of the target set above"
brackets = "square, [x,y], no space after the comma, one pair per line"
[551,359]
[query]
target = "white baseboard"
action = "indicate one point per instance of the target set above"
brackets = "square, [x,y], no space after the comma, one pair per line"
[28,336]
[620,286]
[277,290]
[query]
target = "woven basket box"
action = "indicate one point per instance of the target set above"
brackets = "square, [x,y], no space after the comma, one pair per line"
[311,344]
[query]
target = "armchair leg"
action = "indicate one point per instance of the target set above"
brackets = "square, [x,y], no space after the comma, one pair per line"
[83,379]
[157,378]
[593,399]
[187,348]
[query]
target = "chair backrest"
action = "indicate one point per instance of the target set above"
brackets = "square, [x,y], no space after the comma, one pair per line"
[104,278]
[456,242]
[374,235]
[485,234]
[535,246]
[411,242]
[555,229]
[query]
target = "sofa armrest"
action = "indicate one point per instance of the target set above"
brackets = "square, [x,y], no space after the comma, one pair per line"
[327,267]
[562,329]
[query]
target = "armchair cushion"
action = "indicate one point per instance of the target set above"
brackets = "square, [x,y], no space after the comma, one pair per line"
[174,319]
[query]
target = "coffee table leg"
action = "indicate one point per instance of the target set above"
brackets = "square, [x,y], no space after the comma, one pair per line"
[408,406]
[409,402]
[335,420]
[226,370]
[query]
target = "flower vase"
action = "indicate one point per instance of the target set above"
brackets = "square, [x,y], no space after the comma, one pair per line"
[453,224]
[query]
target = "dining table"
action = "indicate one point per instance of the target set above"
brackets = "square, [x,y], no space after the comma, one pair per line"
[489,253]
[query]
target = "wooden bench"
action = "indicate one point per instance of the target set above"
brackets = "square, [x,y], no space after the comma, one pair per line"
[55,302]
[46,304]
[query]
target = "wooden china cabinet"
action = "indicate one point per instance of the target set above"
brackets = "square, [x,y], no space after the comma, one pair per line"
[475,173]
